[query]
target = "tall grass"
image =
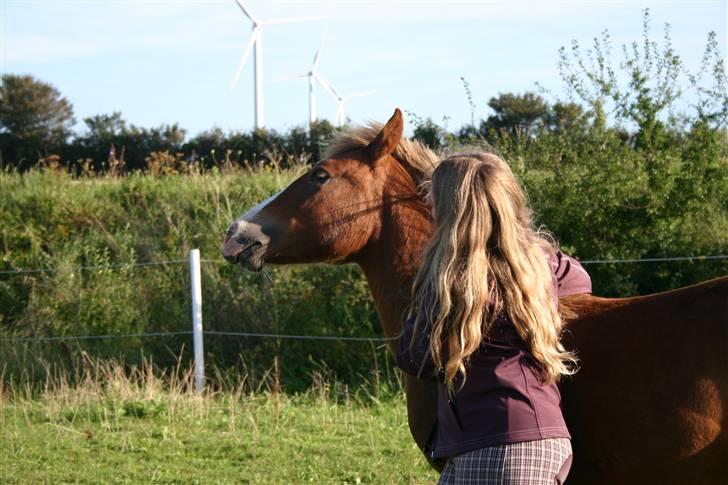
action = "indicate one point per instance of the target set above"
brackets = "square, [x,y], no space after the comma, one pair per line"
[100,382]
[110,422]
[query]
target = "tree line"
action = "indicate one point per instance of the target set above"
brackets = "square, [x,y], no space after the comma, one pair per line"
[36,127]
[648,100]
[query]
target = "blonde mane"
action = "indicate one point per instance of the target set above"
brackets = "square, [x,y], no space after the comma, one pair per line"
[411,152]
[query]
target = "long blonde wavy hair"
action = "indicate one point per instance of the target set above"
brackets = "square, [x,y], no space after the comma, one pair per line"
[485,259]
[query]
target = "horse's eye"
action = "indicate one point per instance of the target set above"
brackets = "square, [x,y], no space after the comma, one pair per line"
[320,175]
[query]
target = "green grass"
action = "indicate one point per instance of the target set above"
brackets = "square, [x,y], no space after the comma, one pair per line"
[139,427]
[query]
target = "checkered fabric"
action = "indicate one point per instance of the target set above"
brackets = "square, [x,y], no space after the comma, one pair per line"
[528,463]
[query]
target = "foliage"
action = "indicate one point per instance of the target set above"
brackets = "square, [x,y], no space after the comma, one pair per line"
[109,140]
[517,114]
[712,100]
[430,133]
[644,94]
[34,119]
[52,220]
[603,199]
[655,184]
[112,145]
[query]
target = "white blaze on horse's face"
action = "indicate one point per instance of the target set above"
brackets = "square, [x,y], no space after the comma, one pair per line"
[248,220]
[250,215]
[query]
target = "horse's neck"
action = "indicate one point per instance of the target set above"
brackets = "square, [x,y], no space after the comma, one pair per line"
[391,261]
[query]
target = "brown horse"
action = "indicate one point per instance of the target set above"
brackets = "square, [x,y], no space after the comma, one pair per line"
[649,403]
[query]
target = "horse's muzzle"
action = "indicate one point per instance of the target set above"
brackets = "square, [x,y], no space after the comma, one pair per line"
[245,244]
[235,247]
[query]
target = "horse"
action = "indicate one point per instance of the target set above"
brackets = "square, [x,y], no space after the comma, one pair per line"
[649,402]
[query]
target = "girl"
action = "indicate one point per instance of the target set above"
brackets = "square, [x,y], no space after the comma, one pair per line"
[484,322]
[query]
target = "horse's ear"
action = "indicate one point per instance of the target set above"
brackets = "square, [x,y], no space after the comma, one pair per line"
[387,139]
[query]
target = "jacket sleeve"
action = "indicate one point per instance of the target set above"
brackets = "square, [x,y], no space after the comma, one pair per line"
[417,360]
[570,276]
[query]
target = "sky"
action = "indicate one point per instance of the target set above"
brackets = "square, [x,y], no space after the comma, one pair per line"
[163,62]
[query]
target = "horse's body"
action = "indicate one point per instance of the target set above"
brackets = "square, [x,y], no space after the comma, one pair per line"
[648,405]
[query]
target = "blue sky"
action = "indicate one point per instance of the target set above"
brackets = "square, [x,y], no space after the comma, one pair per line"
[173,61]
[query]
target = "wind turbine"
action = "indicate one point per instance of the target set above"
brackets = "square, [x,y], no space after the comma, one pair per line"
[340,112]
[315,75]
[256,43]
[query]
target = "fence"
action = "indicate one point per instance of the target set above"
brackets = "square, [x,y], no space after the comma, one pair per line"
[198,331]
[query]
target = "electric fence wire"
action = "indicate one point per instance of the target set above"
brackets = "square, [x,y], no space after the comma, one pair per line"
[20,271]
[189,332]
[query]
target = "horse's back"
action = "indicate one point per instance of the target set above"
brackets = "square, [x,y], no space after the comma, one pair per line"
[715,291]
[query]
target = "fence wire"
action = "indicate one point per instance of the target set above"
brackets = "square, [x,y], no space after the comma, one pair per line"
[301,337]
[205,332]
[96,267]
[653,260]
[21,271]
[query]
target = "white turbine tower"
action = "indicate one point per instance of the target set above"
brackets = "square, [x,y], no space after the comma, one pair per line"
[315,75]
[256,42]
[340,111]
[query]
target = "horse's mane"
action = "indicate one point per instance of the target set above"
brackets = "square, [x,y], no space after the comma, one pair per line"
[412,152]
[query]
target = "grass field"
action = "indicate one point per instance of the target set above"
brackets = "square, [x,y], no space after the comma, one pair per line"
[120,427]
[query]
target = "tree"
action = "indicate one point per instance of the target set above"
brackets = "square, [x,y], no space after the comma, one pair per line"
[642,97]
[105,126]
[430,133]
[34,119]
[712,100]
[319,134]
[565,116]
[516,114]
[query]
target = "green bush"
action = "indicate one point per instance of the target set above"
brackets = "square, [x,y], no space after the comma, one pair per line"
[52,220]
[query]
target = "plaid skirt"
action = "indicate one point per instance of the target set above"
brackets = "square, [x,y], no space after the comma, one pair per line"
[545,461]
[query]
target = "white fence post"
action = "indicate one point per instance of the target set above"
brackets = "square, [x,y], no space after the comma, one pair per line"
[196,281]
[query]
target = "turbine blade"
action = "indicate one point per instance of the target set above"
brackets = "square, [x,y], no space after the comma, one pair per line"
[251,42]
[360,94]
[290,21]
[326,85]
[245,11]
[316,59]
[318,54]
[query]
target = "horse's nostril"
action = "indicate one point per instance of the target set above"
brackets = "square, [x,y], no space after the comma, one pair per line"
[231,258]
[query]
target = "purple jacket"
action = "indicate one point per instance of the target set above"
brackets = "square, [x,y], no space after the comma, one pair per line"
[503,399]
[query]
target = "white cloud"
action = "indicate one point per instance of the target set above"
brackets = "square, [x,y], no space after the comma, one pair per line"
[38,48]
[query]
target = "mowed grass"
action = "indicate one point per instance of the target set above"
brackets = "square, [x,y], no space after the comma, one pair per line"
[120,427]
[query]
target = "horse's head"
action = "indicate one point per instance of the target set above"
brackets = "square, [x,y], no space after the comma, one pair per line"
[332,212]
